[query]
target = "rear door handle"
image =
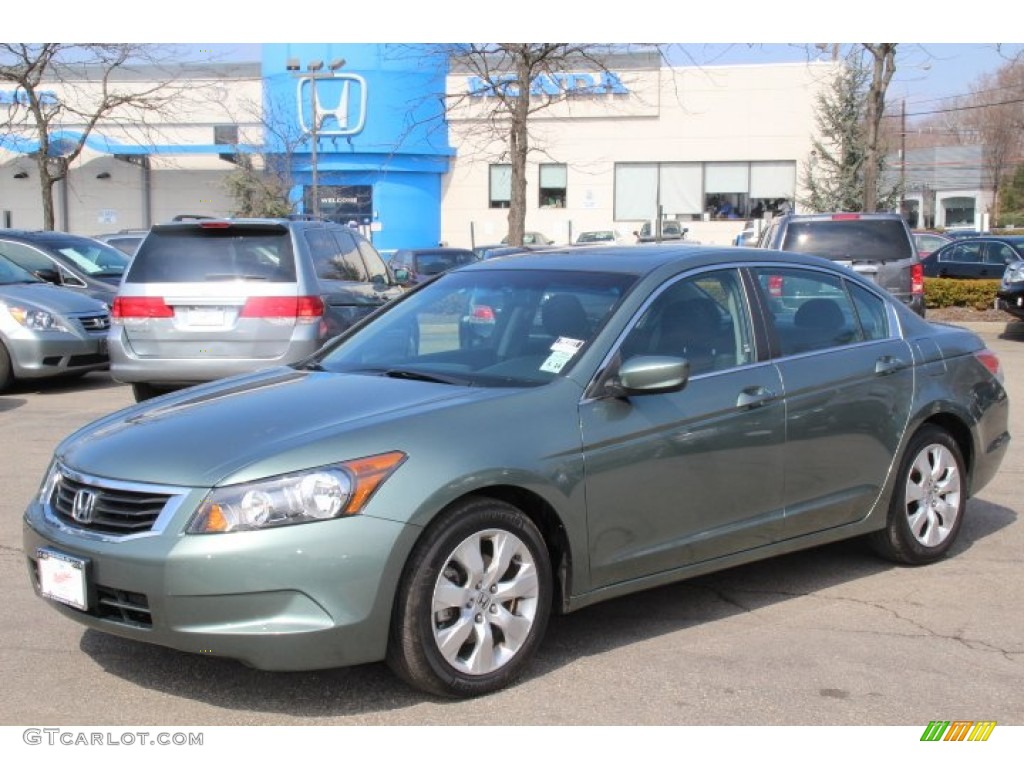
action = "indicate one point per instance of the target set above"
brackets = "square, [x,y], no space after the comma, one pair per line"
[755,397]
[888,364]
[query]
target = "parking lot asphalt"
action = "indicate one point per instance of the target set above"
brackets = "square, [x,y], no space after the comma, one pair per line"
[831,636]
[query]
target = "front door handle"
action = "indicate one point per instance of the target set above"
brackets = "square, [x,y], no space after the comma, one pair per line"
[755,397]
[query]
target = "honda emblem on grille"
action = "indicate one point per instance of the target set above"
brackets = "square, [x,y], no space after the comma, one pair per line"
[83,510]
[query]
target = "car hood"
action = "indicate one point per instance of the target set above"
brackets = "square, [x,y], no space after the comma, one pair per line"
[277,421]
[50,298]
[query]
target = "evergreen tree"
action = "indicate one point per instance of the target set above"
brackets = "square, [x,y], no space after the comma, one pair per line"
[834,174]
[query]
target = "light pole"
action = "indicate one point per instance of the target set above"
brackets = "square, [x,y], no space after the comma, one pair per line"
[314,72]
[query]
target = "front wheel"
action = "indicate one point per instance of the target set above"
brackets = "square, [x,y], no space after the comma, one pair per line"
[473,603]
[928,503]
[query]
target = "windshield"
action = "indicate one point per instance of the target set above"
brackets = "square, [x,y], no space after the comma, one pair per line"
[95,259]
[484,328]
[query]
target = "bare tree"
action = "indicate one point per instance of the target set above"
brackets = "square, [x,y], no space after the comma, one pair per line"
[883,67]
[71,89]
[519,80]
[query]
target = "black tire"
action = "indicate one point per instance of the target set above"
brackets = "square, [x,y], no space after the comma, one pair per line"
[6,371]
[454,563]
[143,392]
[928,503]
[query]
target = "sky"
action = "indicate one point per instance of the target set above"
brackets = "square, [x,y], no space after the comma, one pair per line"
[941,58]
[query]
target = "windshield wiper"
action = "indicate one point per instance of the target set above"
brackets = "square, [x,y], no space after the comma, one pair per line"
[405,373]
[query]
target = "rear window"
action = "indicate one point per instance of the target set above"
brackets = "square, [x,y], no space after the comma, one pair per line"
[850,240]
[436,263]
[198,254]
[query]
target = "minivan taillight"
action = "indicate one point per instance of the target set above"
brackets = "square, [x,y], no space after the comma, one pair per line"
[139,308]
[917,279]
[301,309]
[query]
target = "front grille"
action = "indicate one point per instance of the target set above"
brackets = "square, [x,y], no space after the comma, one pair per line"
[122,607]
[94,323]
[109,510]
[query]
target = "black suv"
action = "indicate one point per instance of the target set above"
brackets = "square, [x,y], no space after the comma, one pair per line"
[425,263]
[80,263]
[877,245]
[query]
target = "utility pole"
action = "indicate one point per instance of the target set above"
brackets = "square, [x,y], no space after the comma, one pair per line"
[314,73]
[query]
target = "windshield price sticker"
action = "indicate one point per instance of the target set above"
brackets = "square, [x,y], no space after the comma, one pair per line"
[567,346]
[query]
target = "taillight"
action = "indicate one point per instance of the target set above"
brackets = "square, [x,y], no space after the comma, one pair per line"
[775,286]
[139,307]
[483,314]
[301,309]
[917,279]
[990,360]
[845,216]
[214,224]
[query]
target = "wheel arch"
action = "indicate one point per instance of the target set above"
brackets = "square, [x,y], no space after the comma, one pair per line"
[542,514]
[955,426]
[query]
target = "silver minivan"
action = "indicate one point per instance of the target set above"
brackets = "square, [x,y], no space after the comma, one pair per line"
[211,298]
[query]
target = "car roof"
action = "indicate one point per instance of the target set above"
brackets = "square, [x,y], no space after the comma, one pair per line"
[640,259]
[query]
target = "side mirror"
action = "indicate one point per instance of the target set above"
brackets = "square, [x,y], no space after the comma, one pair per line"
[402,276]
[648,375]
[49,275]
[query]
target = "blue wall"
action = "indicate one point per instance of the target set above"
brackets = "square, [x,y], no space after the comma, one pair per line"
[399,145]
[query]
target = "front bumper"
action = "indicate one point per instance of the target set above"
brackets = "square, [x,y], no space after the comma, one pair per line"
[310,596]
[1011,300]
[37,355]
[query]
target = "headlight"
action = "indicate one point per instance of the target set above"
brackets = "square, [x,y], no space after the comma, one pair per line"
[304,497]
[35,319]
[1014,273]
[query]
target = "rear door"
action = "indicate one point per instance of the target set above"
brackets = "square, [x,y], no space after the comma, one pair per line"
[209,291]
[848,381]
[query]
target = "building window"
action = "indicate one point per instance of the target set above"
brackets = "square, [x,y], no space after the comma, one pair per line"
[552,185]
[500,188]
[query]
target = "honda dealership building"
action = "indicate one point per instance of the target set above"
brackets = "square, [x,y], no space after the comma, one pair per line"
[408,149]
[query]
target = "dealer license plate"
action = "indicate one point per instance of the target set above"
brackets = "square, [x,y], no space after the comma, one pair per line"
[205,316]
[62,578]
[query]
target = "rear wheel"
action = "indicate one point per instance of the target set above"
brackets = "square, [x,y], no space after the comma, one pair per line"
[928,503]
[474,602]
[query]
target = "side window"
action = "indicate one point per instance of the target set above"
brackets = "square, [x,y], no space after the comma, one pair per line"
[874,320]
[374,263]
[967,253]
[322,248]
[336,256]
[810,310]
[1000,253]
[25,257]
[703,319]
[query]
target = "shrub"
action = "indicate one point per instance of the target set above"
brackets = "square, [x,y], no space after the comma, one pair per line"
[945,292]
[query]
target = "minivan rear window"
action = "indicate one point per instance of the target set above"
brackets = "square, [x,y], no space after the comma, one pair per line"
[197,254]
[850,239]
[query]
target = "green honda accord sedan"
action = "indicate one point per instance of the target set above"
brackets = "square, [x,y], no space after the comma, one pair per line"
[517,437]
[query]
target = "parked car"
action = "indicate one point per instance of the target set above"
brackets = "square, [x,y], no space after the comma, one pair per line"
[532,238]
[424,263]
[47,331]
[207,298]
[598,236]
[929,242]
[956,233]
[126,240]
[1010,295]
[877,245]
[408,493]
[670,229]
[79,263]
[979,258]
